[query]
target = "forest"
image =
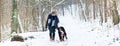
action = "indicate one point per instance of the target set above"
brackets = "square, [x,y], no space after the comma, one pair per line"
[22,16]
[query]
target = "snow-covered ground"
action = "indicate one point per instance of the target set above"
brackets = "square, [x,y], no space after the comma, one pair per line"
[79,33]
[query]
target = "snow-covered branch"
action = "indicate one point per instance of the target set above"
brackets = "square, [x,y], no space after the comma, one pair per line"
[58,3]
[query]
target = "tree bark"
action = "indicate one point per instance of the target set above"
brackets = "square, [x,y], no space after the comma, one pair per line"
[5,19]
[94,16]
[105,11]
[0,20]
[14,24]
[114,13]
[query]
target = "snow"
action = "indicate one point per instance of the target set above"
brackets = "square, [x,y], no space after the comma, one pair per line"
[80,33]
[8,43]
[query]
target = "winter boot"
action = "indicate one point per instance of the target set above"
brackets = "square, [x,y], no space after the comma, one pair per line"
[50,37]
[53,38]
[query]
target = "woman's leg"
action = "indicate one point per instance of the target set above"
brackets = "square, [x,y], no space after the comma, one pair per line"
[52,33]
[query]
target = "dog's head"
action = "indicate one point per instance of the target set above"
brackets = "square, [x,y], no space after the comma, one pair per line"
[61,29]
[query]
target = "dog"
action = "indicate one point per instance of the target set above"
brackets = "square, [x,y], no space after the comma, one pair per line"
[62,33]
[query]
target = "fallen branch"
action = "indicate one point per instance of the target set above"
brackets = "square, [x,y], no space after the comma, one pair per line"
[19,21]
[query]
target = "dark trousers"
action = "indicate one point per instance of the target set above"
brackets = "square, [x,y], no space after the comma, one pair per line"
[52,31]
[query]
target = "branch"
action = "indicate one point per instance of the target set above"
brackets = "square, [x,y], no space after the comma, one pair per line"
[21,26]
[58,3]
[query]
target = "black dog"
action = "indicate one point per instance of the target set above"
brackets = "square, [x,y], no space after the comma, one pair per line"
[62,33]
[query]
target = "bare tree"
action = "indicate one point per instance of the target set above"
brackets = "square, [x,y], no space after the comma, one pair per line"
[0,21]
[105,10]
[94,9]
[14,24]
[5,19]
[114,12]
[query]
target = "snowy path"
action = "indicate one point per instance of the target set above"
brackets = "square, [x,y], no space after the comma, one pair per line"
[79,34]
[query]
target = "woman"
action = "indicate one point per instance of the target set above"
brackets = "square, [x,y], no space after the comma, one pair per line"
[52,24]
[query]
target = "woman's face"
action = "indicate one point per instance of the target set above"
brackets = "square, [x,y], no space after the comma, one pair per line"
[54,14]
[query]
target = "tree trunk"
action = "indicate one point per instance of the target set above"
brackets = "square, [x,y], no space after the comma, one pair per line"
[82,11]
[105,11]
[0,20]
[5,19]
[94,16]
[87,10]
[114,13]
[100,11]
[14,27]
[63,10]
